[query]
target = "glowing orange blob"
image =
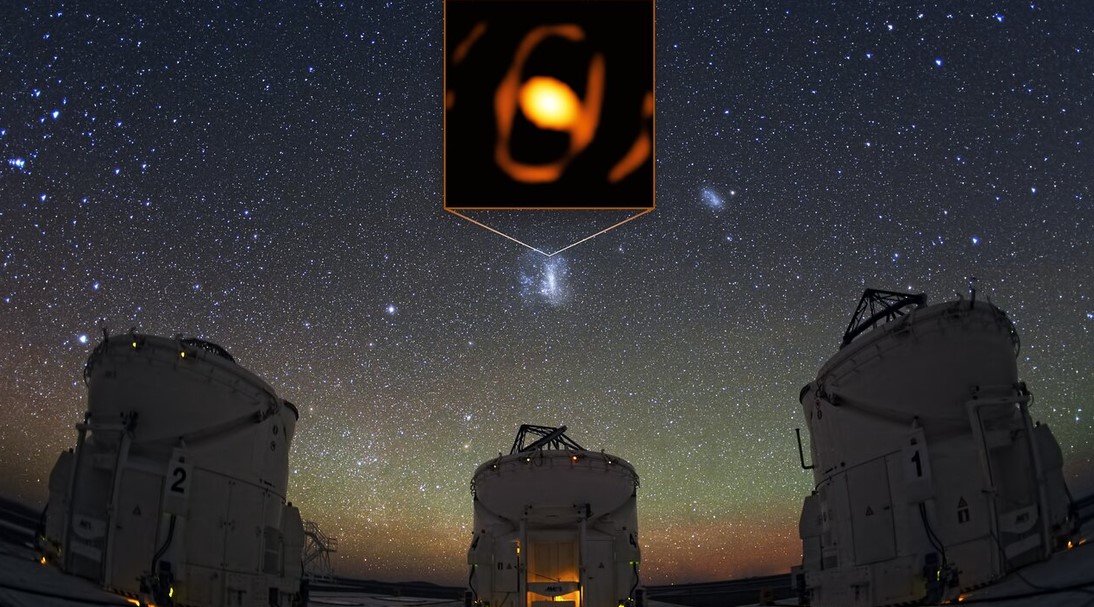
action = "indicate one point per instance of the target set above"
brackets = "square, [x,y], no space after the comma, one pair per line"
[549,103]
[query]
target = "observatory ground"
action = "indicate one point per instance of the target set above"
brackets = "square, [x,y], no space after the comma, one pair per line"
[1066,580]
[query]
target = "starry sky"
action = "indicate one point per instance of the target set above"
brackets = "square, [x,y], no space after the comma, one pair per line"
[268,177]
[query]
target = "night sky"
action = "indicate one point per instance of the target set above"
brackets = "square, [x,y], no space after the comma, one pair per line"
[268,177]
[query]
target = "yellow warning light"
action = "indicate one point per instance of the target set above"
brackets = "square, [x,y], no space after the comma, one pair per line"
[134,344]
[132,601]
[1070,544]
[182,354]
[42,560]
[171,592]
[549,103]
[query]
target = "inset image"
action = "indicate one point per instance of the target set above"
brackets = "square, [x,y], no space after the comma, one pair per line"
[549,104]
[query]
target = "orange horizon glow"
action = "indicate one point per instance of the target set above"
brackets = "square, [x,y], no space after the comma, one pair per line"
[676,549]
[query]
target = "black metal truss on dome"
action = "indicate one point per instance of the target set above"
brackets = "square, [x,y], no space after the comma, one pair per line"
[876,306]
[549,438]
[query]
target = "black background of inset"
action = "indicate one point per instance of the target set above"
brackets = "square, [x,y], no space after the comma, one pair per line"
[622,30]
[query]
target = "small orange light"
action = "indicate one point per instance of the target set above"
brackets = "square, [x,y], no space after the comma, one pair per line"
[42,560]
[1070,545]
[573,458]
[133,601]
[549,103]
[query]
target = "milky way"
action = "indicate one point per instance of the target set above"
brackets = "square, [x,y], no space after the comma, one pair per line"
[268,177]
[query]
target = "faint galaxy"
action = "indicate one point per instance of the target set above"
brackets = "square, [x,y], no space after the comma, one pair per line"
[712,199]
[269,177]
[544,279]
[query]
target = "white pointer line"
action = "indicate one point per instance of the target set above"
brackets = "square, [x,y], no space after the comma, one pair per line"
[544,253]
